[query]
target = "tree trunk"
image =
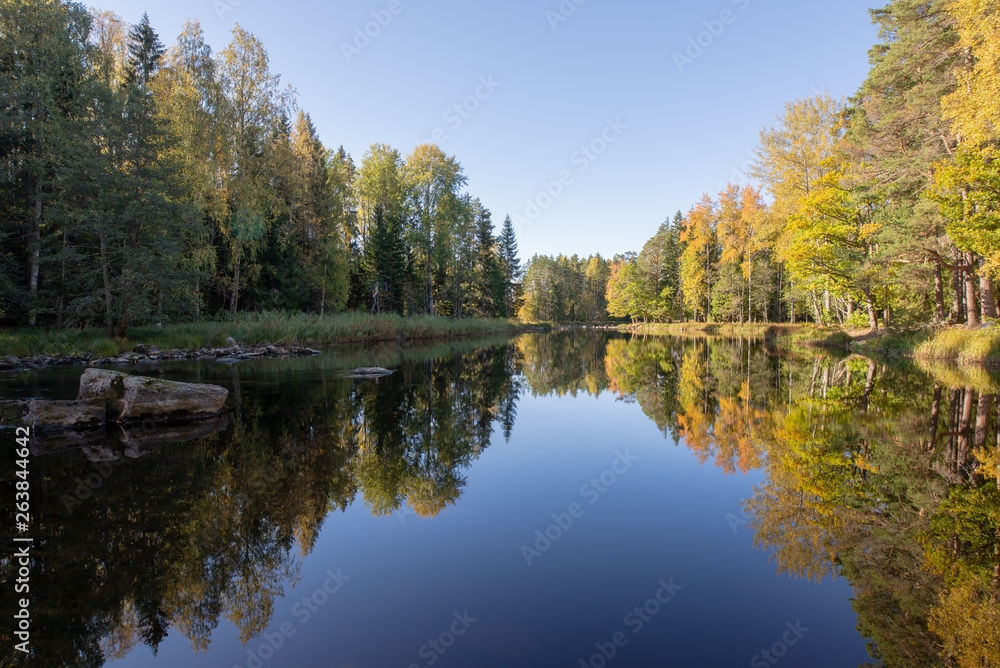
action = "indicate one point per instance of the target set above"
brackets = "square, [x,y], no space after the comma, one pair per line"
[35,249]
[964,428]
[234,297]
[869,385]
[322,296]
[987,298]
[983,409]
[935,416]
[108,302]
[972,310]
[816,313]
[62,287]
[872,312]
[939,315]
[956,297]
[197,299]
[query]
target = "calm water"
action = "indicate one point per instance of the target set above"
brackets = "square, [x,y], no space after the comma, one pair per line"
[567,499]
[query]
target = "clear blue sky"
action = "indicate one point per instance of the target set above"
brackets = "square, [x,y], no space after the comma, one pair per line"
[689,127]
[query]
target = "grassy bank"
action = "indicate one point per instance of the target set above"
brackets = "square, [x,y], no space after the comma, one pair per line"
[951,344]
[252,329]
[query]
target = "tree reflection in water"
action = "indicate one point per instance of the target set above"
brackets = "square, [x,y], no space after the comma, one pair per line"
[885,476]
[195,533]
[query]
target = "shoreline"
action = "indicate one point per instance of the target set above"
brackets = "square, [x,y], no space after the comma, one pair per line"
[252,336]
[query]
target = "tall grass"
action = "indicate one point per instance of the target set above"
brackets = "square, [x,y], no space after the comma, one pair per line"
[252,329]
[952,344]
[962,345]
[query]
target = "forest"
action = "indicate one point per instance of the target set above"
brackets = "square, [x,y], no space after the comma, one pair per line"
[145,184]
[141,184]
[880,210]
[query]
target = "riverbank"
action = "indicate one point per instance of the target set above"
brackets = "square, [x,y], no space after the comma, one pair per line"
[961,345]
[281,330]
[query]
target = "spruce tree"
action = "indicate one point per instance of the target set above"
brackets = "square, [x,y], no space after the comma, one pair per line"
[510,266]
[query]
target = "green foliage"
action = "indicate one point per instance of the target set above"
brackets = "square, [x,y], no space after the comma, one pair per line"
[565,289]
[144,184]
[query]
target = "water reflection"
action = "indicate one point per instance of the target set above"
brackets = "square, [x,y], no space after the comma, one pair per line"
[885,476]
[189,535]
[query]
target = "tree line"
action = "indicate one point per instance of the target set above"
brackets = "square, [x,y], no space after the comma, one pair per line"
[140,183]
[877,210]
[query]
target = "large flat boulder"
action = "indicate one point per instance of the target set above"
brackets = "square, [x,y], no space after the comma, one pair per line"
[136,398]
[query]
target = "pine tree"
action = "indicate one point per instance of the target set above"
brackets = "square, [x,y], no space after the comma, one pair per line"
[145,53]
[486,273]
[510,266]
[47,92]
[137,215]
[898,135]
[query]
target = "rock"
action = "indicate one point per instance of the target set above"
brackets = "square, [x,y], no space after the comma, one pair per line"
[147,351]
[10,362]
[12,413]
[232,343]
[135,398]
[371,371]
[80,415]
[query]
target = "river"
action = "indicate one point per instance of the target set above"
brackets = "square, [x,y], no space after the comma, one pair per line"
[578,498]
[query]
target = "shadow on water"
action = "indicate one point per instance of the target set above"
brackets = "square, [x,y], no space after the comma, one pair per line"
[885,476]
